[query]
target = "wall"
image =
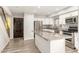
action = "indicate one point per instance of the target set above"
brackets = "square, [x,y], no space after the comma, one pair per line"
[8,12]
[28,26]
[19,15]
[6,9]
[4,39]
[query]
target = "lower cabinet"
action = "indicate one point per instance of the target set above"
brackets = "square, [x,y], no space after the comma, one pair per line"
[42,44]
[50,46]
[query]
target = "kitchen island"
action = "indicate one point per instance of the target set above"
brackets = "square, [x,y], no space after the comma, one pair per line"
[49,42]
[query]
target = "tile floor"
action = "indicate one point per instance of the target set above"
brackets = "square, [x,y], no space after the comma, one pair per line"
[20,46]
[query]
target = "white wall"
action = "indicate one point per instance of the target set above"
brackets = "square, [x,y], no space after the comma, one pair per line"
[4,39]
[18,15]
[6,9]
[28,26]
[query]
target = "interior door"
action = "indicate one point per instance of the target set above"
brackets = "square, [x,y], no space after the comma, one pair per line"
[18,27]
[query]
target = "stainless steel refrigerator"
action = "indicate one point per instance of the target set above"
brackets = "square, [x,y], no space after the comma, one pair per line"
[37,26]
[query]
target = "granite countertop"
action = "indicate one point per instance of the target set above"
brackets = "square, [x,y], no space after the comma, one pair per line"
[51,36]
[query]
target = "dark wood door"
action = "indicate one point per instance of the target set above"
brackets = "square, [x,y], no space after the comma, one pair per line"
[18,27]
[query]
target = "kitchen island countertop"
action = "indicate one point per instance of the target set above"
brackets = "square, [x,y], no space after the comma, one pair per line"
[49,42]
[51,36]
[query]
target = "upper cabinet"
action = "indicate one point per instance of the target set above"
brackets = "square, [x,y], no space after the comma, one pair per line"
[56,20]
[46,21]
[63,17]
[65,13]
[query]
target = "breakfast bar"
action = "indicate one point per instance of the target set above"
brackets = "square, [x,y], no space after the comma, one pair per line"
[49,42]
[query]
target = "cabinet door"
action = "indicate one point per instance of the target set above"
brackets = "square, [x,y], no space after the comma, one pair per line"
[42,44]
[46,21]
[57,46]
[57,22]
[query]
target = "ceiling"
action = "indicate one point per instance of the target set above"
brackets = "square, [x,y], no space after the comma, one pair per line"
[37,10]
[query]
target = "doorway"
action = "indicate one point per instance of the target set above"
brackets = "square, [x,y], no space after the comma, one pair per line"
[18,27]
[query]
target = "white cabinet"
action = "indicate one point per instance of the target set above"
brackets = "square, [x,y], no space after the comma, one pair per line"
[76,40]
[42,44]
[64,16]
[50,46]
[45,20]
[48,21]
[57,46]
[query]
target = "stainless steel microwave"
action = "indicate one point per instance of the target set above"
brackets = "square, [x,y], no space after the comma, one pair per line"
[71,20]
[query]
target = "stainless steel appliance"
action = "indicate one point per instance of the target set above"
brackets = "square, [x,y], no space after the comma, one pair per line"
[72,20]
[37,26]
[73,27]
[70,42]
